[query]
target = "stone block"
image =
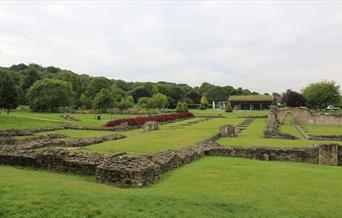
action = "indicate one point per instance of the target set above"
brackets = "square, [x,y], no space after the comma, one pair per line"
[151,126]
[227,131]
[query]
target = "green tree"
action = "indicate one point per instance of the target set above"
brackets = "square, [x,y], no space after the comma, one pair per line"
[322,94]
[103,100]
[85,102]
[96,85]
[48,95]
[126,103]
[159,101]
[145,102]
[31,77]
[8,93]
[204,103]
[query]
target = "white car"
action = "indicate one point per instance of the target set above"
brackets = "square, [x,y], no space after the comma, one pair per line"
[331,107]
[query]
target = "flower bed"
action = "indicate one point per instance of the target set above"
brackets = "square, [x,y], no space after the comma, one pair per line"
[139,121]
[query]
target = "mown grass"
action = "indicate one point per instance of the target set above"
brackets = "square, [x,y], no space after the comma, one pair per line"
[170,136]
[209,187]
[12,122]
[323,129]
[253,136]
[85,119]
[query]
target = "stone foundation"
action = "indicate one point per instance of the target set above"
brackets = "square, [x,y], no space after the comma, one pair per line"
[281,154]
[227,131]
[304,115]
[150,126]
[330,154]
[56,141]
[54,159]
[138,171]
[272,130]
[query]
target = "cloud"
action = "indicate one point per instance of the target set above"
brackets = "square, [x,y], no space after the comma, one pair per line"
[262,46]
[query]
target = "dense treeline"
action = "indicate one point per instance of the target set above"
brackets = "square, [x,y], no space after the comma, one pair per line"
[52,88]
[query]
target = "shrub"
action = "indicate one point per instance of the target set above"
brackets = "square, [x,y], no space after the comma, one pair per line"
[229,108]
[185,107]
[179,107]
[139,121]
[204,103]
[23,108]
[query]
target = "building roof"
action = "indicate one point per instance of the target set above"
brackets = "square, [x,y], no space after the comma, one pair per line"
[251,98]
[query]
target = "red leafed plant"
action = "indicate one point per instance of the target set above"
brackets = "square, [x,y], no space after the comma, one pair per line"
[139,121]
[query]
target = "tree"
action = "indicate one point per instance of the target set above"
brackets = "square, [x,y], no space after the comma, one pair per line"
[193,95]
[293,99]
[322,94]
[85,101]
[31,77]
[126,103]
[204,103]
[145,102]
[96,85]
[48,95]
[144,90]
[103,100]
[159,101]
[8,93]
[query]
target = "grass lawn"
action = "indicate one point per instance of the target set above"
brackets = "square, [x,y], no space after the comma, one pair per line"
[170,136]
[209,187]
[12,122]
[323,129]
[253,136]
[85,119]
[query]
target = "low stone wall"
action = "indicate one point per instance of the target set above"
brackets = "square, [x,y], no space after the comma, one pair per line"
[283,154]
[56,141]
[4,140]
[304,115]
[138,171]
[318,137]
[144,169]
[53,159]
[326,137]
[272,130]
[330,154]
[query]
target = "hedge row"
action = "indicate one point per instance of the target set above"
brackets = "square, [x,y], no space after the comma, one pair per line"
[139,121]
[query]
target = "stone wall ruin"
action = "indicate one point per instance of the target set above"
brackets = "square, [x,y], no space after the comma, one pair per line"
[302,115]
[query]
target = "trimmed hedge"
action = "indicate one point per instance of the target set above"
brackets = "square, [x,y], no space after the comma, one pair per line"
[139,121]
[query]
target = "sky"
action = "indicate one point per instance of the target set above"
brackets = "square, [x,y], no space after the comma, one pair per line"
[265,46]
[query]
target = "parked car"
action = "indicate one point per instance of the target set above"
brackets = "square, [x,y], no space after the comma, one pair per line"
[331,107]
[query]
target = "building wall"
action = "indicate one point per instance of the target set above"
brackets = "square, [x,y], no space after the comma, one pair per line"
[250,105]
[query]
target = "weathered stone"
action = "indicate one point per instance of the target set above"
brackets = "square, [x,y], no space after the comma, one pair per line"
[150,126]
[227,131]
[272,131]
[329,154]
[302,115]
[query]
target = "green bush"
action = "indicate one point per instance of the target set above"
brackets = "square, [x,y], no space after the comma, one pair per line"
[229,108]
[182,107]
[203,107]
[23,108]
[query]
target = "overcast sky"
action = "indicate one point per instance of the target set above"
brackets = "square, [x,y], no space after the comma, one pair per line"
[261,46]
